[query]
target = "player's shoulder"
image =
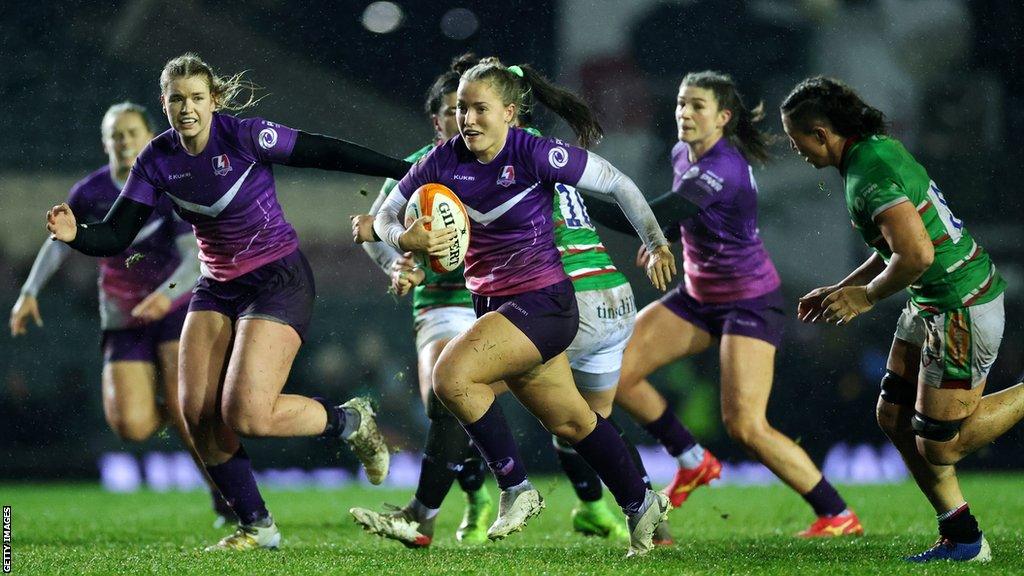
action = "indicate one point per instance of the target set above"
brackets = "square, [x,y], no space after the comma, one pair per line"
[98,180]
[722,166]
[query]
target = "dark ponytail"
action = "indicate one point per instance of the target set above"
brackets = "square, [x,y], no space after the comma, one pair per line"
[741,130]
[521,85]
[448,81]
[821,99]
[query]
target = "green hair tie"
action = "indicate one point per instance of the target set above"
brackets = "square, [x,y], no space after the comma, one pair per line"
[516,70]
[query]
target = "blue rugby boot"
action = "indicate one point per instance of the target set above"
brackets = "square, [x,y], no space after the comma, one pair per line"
[946,549]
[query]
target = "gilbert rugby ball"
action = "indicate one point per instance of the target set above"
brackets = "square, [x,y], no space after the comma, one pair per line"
[440,202]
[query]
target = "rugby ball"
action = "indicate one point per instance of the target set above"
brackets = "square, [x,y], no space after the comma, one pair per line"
[439,201]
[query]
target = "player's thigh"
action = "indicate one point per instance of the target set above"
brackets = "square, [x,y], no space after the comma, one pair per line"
[426,359]
[261,359]
[748,370]
[549,393]
[129,392]
[960,348]
[492,349]
[204,347]
[600,401]
[435,327]
[167,363]
[659,337]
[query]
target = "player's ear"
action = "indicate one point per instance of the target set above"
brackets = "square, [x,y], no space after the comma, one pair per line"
[510,113]
[820,134]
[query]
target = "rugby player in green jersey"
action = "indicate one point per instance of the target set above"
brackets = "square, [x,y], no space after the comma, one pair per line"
[442,307]
[931,404]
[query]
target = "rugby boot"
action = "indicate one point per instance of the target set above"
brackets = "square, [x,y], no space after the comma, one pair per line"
[845,524]
[397,524]
[946,549]
[249,537]
[689,479]
[596,519]
[662,535]
[366,442]
[642,525]
[515,508]
[473,529]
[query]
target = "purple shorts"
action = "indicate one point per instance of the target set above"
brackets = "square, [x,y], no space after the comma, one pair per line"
[281,291]
[548,316]
[762,317]
[140,344]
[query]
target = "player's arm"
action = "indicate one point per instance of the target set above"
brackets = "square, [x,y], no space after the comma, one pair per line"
[107,238]
[49,259]
[601,177]
[912,251]
[669,208]
[181,281]
[912,254]
[382,253]
[327,153]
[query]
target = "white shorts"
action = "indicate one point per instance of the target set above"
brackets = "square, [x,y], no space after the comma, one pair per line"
[445,323]
[606,323]
[959,347]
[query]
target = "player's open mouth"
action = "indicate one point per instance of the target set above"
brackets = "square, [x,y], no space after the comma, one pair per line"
[187,122]
[128,153]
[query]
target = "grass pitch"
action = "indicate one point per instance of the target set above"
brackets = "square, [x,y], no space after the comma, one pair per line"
[79,529]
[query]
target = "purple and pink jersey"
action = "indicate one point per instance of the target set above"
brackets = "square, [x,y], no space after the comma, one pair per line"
[509,200]
[226,192]
[126,279]
[724,259]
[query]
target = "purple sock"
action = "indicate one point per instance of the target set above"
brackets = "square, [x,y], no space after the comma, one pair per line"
[335,419]
[607,454]
[493,438]
[220,505]
[668,430]
[235,480]
[825,500]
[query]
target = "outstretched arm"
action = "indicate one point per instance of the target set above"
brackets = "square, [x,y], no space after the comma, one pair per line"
[107,238]
[601,177]
[327,153]
[669,208]
[51,255]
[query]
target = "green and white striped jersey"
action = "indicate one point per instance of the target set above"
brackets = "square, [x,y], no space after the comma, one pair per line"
[880,174]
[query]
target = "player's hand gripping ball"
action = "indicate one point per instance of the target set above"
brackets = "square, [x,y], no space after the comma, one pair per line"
[445,212]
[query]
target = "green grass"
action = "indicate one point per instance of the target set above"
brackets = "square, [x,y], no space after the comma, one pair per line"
[79,529]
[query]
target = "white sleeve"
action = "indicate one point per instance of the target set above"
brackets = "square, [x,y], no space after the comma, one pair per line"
[601,177]
[51,255]
[386,223]
[381,252]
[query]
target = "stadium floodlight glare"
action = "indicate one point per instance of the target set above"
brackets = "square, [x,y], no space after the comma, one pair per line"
[459,23]
[382,17]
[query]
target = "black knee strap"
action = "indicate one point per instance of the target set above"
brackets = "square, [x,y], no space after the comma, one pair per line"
[937,430]
[898,390]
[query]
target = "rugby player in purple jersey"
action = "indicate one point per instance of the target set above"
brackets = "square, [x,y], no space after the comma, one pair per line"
[525,302]
[143,295]
[253,301]
[730,296]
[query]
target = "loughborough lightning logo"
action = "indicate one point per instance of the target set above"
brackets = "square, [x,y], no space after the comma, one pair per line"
[268,138]
[508,176]
[558,157]
[221,165]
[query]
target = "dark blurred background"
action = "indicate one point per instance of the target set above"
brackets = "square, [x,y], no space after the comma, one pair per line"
[946,72]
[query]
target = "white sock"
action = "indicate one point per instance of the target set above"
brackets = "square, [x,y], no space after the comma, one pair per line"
[692,458]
